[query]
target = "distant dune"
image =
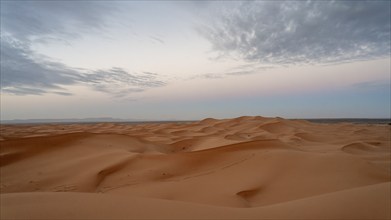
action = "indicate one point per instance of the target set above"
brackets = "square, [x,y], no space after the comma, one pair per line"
[241,168]
[60,120]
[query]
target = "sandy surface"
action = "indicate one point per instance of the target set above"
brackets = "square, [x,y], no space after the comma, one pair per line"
[242,168]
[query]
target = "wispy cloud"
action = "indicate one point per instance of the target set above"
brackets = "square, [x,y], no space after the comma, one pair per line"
[121,83]
[245,69]
[53,20]
[23,72]
[294,32]
[368,85]
[207,76]
[157,39]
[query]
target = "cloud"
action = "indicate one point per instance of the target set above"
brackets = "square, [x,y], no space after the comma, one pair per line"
[23,72]
[300,32]
[30,21]
[238,73]
[244,69]
[121,83]
[373,85]
[207,76]
[156,39]
[219,75]
[22,91]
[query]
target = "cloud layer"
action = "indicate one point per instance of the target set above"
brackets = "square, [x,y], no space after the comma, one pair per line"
[53,20]
[24,72]
[294,32]
[119,82]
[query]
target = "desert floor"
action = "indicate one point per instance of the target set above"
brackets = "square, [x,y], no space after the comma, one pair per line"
[242,168]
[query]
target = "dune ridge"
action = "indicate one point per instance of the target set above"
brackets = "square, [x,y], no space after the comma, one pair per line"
[246,167]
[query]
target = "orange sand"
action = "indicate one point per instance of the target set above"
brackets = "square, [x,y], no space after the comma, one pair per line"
[242,168]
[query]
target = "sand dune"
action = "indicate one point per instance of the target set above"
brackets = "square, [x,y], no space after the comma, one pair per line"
[247,167]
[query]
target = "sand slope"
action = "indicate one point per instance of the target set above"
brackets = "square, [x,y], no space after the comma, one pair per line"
[247,167]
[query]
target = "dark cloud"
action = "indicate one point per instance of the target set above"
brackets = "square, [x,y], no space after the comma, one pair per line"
[293,32]
[47,20]
[63,93]
[23,72]
[22,91]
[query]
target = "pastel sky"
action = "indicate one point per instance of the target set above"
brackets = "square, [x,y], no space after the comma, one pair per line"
[186,60]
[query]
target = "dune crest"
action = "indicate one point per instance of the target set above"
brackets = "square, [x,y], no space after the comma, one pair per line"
[247,167]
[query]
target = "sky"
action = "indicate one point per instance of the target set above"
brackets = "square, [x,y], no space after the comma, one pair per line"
[189,60]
